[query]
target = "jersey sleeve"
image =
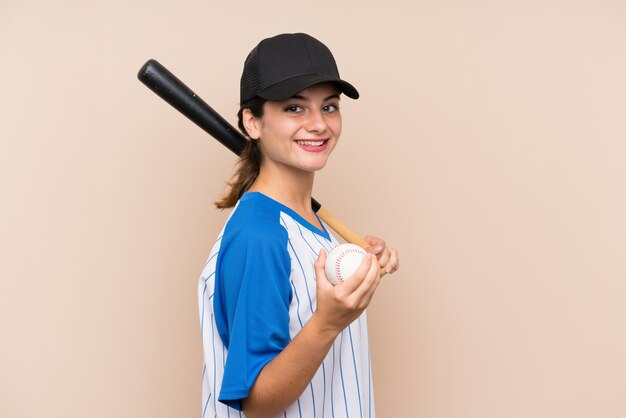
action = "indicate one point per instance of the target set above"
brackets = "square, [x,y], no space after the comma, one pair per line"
[252,306]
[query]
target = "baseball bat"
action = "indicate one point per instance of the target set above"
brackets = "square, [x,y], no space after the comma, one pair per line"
[167,86]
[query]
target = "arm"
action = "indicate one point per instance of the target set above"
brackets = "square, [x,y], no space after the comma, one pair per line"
[284,378]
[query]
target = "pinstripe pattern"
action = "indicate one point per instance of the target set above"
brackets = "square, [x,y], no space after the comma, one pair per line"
[342,385]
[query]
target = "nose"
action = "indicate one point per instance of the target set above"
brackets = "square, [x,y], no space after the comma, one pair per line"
[316,122]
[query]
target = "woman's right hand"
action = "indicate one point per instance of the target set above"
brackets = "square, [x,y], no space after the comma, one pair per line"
[338,306]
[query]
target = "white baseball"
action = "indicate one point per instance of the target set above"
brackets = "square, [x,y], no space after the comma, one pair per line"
[342,262]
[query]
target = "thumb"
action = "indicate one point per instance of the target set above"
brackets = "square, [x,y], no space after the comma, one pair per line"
[320,269]
[376,245]
[374,249]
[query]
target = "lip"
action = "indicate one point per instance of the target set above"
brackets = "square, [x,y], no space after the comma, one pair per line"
[314,148]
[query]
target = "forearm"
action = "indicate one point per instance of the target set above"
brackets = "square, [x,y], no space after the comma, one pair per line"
[284,378]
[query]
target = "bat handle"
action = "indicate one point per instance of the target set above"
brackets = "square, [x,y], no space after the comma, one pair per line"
[345,232]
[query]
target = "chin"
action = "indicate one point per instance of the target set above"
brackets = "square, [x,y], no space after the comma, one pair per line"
[314,166]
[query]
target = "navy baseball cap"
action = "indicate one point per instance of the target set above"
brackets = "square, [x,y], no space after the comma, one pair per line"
[281,66]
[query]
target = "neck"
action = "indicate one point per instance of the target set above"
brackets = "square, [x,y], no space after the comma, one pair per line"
[289,186]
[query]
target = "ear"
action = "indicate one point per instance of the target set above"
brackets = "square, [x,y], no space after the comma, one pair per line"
[251,123]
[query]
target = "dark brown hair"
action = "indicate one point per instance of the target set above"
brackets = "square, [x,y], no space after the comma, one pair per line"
[249,164]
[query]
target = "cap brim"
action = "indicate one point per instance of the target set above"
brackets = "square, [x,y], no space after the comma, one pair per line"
[290,87]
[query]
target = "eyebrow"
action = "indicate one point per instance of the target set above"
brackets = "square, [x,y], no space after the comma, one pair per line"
[298,96]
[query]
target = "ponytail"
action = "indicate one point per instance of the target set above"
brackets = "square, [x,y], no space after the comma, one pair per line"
[249,164]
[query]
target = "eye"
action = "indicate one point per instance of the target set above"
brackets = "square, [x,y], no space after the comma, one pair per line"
[293,109]
[329,108]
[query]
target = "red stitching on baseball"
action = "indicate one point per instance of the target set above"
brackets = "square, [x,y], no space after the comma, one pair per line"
[338,261]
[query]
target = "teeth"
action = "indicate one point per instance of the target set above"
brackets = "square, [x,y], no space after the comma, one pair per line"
[312,143]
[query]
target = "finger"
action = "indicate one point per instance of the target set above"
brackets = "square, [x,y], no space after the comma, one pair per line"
[320,269]
[383,258]
[394,262]
[376,277]
[373,274]
[365,292]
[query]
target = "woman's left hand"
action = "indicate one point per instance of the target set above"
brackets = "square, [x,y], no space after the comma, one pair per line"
[387,256]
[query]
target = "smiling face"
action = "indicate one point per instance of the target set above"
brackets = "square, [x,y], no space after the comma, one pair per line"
[298,133]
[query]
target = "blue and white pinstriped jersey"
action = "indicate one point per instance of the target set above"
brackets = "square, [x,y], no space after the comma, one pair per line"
[246,322]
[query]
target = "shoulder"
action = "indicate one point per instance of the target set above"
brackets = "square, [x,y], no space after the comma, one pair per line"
[253,249]
[256,219]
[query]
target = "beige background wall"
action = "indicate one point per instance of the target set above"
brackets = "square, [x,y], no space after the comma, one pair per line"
[488,147]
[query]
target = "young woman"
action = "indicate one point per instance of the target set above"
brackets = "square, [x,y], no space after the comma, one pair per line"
[279,339]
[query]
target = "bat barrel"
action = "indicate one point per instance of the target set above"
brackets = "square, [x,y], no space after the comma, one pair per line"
[167,86]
